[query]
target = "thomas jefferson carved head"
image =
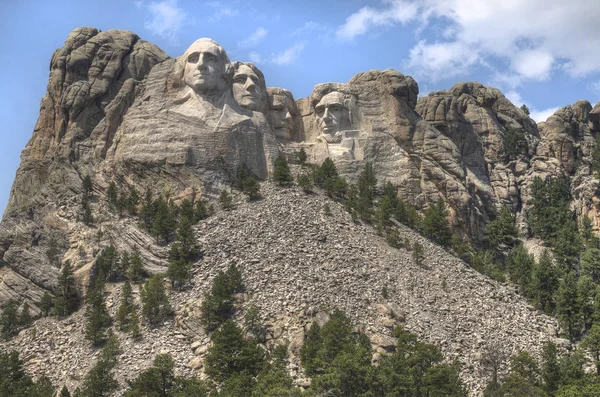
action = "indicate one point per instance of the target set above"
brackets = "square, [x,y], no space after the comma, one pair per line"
[282,111]
[249,89]
[206,67]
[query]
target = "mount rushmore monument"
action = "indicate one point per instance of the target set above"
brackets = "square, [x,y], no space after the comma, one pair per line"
[119,109]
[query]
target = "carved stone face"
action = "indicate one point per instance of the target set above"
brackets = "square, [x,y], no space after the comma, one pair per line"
[247,88]
[280,115]
[205,63]
[332,113]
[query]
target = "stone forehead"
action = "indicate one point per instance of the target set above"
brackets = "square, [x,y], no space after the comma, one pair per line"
[332,98]
[245,69]
[206,44]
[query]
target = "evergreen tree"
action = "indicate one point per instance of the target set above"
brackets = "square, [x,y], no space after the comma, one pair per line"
[100,380]
[123,266]
[502,231]
[64,392]
[186,238]
[568,309]
[136,268]
[520,265]
[66,298]
[309,352]
[179,270]
[156,307]
[591,343]
[163,224]
[87,185]
[253,324]
[549,207]
[525,109]
[586,293]
[367,183]
[132,201]
[230,353]
[123,316]
[25,316]
[590,263]
[281,171]
[418,253]
[96,314]
[159,380]
[217,306]
[134,326]
[251,188]
[435,223]
[327,178]
[545,283]
[148,210]
[225,200]
[45,303]
[186,210]
[201,211]
[88,218]
[9,319]
[15,382]
[112,194]
[567,246]
[550,368]
[514,142]
[302,157]
[305,182]
[107,264]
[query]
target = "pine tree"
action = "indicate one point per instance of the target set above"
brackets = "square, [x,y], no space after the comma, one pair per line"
[134,327]
[281,171]
[520,265]
[591,343]
[502,231]
[201,212]
[136,268]
[100,380]
[25,316]
[550,368]
[225,200]
[188,247]
[9,319]
[590,263]
[64,392]
[418,253]
[186,210]
[302,157]
[133,198]
[123,316]
[251,188]
[66,298]
[156,307]
[217,306]
[112,194]
[148,210]
[367,183]
[96,315]
[568,309]
[179,271]
[163,223]
[87,185]
[545,282]
[586,293]
[45,303]
[230,353]
[304,182]
[88,218]
[435,223]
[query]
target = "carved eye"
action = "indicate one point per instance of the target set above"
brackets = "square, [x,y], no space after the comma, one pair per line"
[210,57]
[335,108]
[239,79]
[193,58]
[320,110]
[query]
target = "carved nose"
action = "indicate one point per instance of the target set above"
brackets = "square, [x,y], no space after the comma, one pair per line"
[326,114]
[249,84]
[288,116]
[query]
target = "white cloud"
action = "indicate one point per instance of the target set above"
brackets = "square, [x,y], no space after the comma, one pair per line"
[289,55]
[535,114]
[542,115]
[255,38]
[167,18]
[365,18]
[515,98]
[440,60]
[255,57]
[535,37]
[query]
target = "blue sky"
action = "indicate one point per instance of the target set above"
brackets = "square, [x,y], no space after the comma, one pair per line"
[544,53]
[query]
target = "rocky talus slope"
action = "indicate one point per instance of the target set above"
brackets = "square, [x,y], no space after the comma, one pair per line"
[298,264]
